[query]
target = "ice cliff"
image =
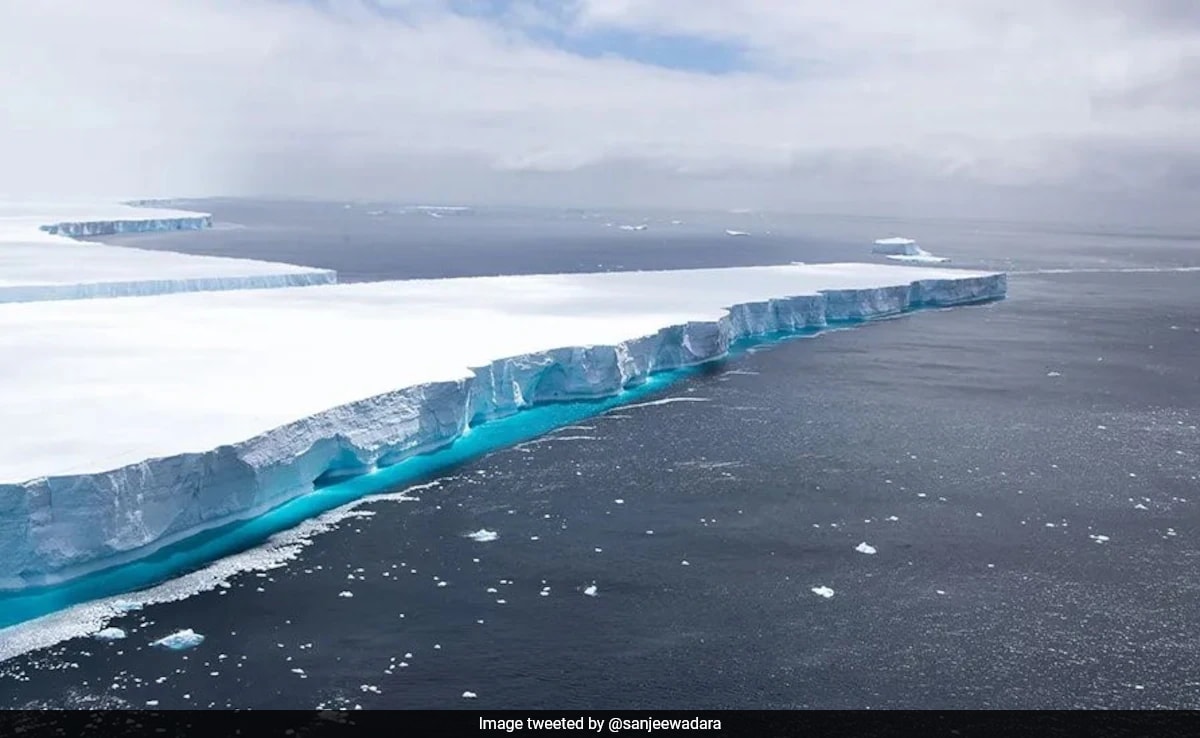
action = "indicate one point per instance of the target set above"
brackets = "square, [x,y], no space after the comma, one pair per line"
[57,527]
[78,229]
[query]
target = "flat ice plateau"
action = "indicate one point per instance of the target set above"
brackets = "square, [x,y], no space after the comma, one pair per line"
[39,259]
[137,422]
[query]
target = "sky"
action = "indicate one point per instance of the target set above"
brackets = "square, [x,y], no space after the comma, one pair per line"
[1072,108]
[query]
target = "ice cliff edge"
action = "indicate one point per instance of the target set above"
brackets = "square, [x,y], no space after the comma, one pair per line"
[40,260]
[60,526]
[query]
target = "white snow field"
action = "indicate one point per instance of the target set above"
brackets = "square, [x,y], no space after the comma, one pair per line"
[40,261]
[137,421]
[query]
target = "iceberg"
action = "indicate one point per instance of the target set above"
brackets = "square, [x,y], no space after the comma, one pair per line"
[145,421]
[905,249]
[40,260]
[180,640]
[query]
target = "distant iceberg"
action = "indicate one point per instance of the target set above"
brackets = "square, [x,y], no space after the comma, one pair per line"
[905,249]
[639,227]
[729,232]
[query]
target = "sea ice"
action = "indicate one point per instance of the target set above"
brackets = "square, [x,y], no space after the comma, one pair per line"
[483,535]
[865,548]
[823,591]
[109,634]
[180,640]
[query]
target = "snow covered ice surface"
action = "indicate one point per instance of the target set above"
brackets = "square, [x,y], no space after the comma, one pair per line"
[39,260]
[230,403]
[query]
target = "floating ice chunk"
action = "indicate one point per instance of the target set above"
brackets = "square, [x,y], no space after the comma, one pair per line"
[684,563]
[441,584]
[638,227]
[1053,374]
[109,634]
[180,640]
[729,232]
[1099,538]
[468,695]
[865,548]
[345,593]
[483,535]
[823,591]
[590,590]
[1140,506]
[905,249]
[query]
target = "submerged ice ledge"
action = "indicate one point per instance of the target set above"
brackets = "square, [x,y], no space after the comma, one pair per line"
[57,527]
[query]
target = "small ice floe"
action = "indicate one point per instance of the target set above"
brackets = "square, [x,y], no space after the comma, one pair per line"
[345,593]
[468,695]
[730,232]
[619,501]
[1099,538]
[1140,506]
[823,591]
[109,634]
[442,583]
[865,548]
[180,640]
[123,607]
[1053,374]
[638,227]
[684,563]
[891,518]
[590,590]
[483,535]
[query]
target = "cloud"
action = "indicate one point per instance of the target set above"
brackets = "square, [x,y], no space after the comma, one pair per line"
[597,101]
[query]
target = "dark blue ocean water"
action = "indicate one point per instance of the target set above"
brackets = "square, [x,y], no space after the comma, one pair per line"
[1026,472]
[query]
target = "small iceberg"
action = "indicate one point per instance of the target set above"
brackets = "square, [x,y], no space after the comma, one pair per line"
[865,548]
[590,590]
[905,249]
[823,591]
[109,634]
[729,232]
[180,640]
[639,227]
[483,535]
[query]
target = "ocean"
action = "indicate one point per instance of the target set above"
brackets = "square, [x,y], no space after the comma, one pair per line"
[1023,474]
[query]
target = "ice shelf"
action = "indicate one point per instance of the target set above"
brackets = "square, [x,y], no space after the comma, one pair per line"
[136,421]
[39,259]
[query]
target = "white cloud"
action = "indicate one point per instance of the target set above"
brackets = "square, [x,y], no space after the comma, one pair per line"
[285,96]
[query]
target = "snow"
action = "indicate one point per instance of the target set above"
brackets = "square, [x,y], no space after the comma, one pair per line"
[232,402]
[39,261]
[180,640]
